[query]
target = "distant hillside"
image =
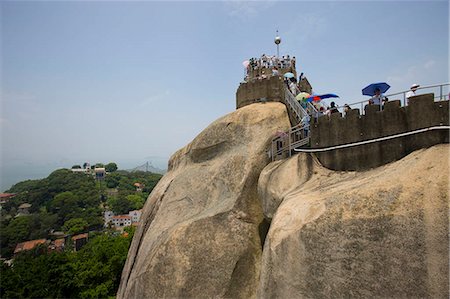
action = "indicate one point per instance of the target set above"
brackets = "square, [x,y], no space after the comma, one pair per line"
[65,195]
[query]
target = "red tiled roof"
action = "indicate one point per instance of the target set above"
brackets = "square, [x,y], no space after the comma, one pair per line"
[80,236]
[28,245]
[59,242]
[7,195]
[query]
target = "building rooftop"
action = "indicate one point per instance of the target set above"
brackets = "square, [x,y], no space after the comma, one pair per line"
[6,195]
[59,242]
[80,236]
[25,206]
[28,245]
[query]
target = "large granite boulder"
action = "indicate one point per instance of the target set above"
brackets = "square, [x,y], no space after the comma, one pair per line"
[199,234]
[382,233]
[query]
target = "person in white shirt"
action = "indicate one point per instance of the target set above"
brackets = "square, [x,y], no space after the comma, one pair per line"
[377,98]
[412,92]
[293,88]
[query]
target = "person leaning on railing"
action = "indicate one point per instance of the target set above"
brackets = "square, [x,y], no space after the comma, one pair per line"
[412,91]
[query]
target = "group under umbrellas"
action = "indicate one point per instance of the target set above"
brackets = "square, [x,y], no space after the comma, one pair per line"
[369,90]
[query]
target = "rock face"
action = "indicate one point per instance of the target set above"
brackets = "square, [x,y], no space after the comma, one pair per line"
[380,233]
[200,230]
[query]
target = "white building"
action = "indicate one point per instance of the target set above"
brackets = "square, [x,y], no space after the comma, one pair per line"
[121,220]
[135,215]
[108,215]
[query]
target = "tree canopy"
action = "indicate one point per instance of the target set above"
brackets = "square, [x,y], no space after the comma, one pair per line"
[92,272]
[111,167]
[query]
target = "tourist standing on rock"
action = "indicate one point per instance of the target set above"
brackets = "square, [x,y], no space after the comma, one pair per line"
[293,87]
[332,109]
[286,81]
[377,98]
[263,60]
[346,108]
[275,71]
[412,91]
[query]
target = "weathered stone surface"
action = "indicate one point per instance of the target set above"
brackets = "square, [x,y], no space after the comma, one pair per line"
[382,233]
[199,233]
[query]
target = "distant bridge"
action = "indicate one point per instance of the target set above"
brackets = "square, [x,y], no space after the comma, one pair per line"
[147,167]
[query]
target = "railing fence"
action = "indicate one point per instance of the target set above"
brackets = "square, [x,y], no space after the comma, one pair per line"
[442,94]
[284,143]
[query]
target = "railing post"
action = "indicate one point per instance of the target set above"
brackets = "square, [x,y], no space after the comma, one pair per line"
[289,141]
[440,96]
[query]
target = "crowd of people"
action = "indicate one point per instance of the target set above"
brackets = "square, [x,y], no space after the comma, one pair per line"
[267,65]
[271,65]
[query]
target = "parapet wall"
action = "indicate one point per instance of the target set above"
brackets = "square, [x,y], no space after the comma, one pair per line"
[422,112]
[271,89]
[253,91]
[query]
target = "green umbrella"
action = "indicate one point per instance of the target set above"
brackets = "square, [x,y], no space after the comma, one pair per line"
[302,96]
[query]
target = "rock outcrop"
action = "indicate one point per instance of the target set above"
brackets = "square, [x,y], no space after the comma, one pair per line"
[382,233]
[201,229]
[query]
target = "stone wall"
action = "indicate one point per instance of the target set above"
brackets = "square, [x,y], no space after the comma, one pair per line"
[422,112]
[253,91]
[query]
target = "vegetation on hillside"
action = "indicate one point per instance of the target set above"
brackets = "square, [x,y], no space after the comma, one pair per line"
[92,272]
[69,202]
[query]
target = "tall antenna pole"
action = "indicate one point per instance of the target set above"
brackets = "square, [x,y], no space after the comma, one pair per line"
[277,42]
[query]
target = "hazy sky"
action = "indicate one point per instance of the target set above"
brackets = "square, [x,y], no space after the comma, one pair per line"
[124,81]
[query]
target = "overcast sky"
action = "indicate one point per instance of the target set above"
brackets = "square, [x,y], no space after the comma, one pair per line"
[127,81]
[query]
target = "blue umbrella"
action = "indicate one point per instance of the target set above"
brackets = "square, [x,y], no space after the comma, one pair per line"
[289,75]
[369,90]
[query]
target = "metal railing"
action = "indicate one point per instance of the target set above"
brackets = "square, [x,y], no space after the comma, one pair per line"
[312,111]
[441,96]
[294,106]
[283,145]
